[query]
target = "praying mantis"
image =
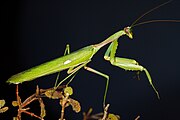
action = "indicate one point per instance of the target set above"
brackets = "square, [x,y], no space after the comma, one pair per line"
[73,62]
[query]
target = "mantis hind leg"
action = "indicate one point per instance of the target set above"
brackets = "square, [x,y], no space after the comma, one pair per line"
[125,63]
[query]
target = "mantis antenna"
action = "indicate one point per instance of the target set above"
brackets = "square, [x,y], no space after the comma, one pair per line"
[152,21]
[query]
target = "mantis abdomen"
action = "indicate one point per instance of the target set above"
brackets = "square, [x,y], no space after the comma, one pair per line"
[68,61]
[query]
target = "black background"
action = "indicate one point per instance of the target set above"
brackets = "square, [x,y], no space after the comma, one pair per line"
[36,31]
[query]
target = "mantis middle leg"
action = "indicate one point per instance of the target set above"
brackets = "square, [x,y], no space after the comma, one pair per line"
[67,51]
[73,70]
[107,81]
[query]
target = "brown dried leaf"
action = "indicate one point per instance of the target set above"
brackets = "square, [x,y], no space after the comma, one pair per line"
[53,94]
[75,105]
[4,109]
[43,111]
[14,103]
[2,103]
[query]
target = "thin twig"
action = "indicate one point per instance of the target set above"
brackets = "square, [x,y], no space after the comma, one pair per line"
[137,118]
[105,112]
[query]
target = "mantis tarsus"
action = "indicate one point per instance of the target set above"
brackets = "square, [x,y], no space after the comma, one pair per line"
[80,58]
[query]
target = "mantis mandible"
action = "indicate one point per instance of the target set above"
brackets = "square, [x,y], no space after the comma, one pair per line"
[80,58]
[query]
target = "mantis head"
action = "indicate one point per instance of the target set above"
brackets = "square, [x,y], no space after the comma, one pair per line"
[128,32]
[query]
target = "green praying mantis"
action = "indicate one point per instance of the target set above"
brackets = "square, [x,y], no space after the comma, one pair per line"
[79,59]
